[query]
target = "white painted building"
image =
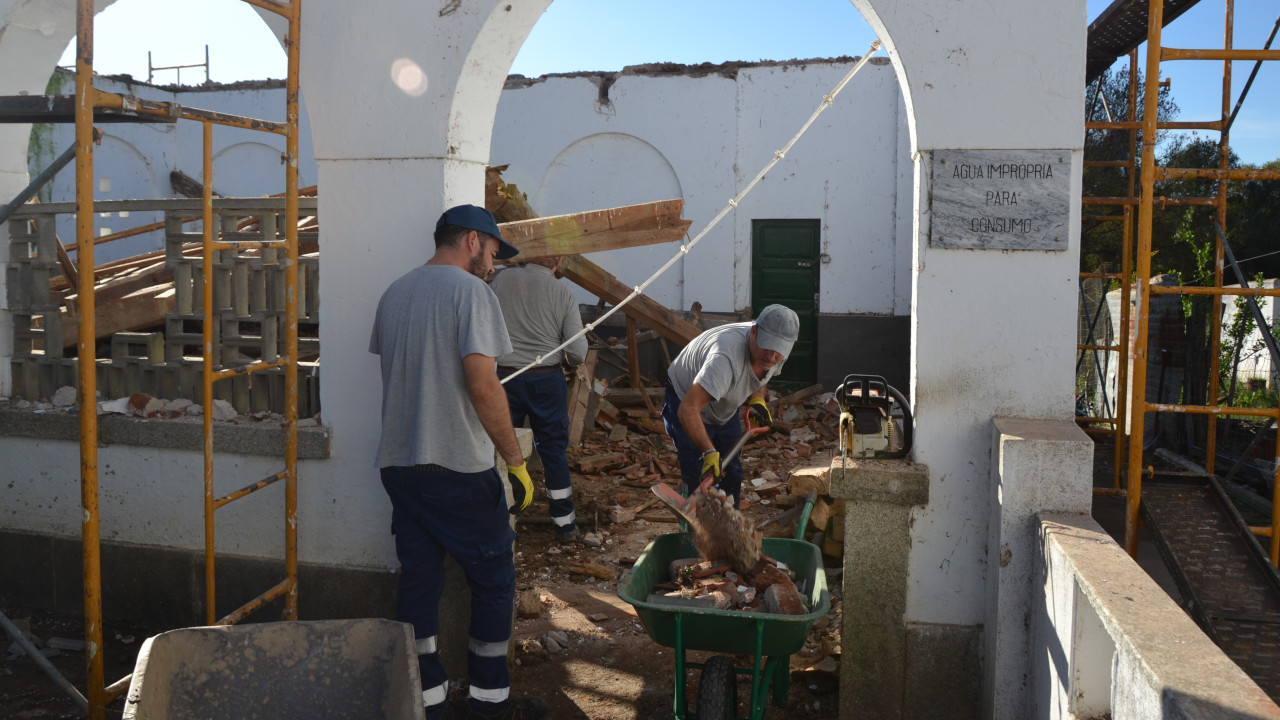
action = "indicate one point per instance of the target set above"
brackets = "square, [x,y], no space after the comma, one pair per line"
[135,159]
[597,140]
[1254,359]
[991,329]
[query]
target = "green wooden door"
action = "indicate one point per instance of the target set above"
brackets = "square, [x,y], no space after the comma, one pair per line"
[784,270]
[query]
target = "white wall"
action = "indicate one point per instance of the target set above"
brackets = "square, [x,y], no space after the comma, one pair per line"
[703,137]
[700,137]
[993,331]
[135,159]
[1255,359]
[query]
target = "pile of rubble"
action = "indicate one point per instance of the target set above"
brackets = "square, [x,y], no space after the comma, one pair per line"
[628,452]
[142,405]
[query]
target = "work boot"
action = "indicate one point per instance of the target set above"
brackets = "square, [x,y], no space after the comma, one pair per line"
[569,536]
[527,708]
[441,712]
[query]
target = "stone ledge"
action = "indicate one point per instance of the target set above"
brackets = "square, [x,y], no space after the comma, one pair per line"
[175,434]
[896,482]
[1171,666]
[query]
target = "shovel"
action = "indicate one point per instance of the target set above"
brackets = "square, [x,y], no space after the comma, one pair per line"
[683,506]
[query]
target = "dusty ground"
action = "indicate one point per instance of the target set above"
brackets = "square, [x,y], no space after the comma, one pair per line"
[610,669]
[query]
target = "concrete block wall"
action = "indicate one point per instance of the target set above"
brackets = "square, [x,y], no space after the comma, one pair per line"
[249,302]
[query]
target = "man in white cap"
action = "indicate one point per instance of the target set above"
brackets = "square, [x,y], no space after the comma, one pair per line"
[712,378]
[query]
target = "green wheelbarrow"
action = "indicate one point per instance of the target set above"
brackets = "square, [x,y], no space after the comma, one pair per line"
[769,639]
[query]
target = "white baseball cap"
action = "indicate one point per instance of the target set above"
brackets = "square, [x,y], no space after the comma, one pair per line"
[777,328]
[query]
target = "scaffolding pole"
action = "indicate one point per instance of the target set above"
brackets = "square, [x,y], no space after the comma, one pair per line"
[87,100]
[1223,174]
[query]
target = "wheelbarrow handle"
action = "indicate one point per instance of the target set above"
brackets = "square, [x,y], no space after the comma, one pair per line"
[800,510]
[801,526]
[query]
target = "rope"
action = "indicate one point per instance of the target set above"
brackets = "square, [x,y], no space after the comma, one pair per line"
[827,100]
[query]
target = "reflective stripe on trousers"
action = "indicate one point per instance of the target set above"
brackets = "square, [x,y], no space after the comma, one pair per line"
[465,516]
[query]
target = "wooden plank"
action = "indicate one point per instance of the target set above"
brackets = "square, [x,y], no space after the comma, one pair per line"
[579,394]
[506,202]
[633,363]
[143,309]
[624,397]
[649,312]
[800,396]
[119,285]
[69,271]
[597,230]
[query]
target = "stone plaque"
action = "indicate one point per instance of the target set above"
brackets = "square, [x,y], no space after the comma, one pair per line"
[1001,199]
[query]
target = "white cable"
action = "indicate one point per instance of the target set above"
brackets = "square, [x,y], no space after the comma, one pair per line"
[827,100]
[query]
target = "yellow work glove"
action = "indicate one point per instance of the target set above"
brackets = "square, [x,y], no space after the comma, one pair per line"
[758,413]
[711,465]
[521,487]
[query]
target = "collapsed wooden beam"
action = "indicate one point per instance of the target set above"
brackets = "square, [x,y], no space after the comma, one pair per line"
[597,230]
[644,309]
[571,235]
[140,310]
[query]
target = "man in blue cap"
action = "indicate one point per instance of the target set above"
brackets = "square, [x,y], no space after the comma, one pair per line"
[438,332]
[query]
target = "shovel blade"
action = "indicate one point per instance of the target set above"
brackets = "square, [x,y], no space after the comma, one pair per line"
[673,499]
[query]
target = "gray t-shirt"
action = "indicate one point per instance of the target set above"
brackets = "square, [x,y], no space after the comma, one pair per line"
[720,361]
[541,313]
[427,321]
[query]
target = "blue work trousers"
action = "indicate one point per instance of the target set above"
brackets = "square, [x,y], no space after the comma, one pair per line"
[543,398]
[723,437]
[463,515]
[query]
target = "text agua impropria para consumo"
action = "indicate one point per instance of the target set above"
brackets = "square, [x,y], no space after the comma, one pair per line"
[1008,198]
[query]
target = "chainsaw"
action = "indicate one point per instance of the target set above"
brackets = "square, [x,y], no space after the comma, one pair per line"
[870,412]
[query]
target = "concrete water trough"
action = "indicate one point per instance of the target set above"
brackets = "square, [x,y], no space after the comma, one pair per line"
[357,669]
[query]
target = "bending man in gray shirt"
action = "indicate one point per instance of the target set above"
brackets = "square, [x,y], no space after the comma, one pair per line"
[541,312]
[710,380]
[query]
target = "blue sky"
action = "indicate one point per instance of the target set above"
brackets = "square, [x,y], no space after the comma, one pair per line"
[584,35]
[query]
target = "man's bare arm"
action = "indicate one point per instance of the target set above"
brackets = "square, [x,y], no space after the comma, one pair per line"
[490,402]
[690,416]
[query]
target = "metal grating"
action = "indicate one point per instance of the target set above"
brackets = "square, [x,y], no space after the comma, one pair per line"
[1231,590]
[1121,28]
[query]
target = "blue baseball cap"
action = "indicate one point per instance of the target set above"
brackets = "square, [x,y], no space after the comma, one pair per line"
[480,220]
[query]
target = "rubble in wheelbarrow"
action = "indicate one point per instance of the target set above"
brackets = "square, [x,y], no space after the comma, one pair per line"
[768,587]
[721,532]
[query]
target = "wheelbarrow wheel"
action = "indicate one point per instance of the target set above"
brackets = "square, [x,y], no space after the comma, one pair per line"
[718,691]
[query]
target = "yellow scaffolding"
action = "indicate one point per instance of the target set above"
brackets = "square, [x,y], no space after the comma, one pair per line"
[1151,174]
[88,99]
[1115,422]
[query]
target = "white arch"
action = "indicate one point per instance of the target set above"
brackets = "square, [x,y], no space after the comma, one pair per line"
[1007,74]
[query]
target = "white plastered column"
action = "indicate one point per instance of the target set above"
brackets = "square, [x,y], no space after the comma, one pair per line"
[992,330]
[390,160]
[33,34]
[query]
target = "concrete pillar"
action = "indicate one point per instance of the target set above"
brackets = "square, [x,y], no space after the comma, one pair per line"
[1037,466]
[879,497]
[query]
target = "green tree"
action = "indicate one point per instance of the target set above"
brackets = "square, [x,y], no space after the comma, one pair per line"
[1253,216]
[1253,223]
[1107,99]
